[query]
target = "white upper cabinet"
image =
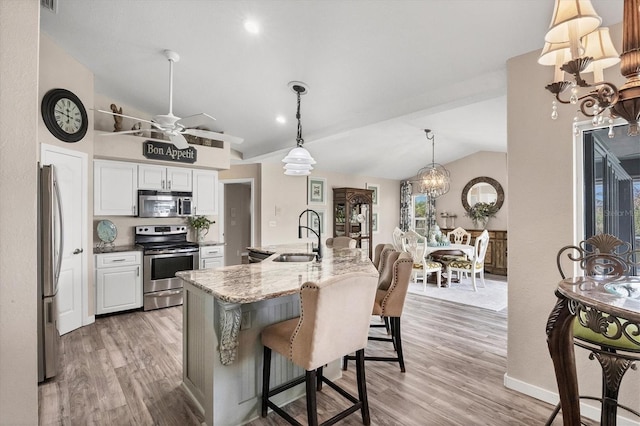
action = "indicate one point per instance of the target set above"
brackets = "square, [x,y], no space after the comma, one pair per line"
[205,192]
[115,188]
[161,178]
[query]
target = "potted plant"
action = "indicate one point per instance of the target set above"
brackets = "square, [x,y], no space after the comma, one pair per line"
[200,224]
[481,212]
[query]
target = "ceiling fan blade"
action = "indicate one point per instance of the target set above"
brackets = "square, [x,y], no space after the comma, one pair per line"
[125,132]
[198,120]
[179,141]
[128,116]
[213,135]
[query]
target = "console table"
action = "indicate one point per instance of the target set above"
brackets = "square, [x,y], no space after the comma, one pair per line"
[600,297]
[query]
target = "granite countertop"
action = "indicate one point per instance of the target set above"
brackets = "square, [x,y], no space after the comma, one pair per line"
[253,282]
[115,249]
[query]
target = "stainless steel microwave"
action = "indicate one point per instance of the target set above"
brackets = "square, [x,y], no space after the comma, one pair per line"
[164,204]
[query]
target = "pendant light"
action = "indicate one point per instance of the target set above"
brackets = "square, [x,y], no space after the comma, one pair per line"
[298,161]
[433,180]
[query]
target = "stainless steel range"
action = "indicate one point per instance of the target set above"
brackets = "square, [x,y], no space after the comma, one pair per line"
[166,251]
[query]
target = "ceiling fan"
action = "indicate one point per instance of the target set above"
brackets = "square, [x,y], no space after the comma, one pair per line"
[175,127]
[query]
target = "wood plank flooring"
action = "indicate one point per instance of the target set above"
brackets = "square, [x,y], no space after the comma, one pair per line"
[126,370]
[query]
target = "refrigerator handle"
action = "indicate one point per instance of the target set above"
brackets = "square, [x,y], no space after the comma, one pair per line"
[61,239]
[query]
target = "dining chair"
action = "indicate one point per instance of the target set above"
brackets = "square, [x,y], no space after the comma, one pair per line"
[341,242]
[474,265]
[397,238]
[603,255]
[421,265]
[459,236]
[389,303]
[330,325]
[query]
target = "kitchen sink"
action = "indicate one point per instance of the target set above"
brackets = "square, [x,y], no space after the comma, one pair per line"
[295,257]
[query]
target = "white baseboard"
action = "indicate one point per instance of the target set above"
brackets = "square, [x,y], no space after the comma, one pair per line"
[545,395]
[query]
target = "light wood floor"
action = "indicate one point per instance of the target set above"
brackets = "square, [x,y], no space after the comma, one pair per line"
[126,370]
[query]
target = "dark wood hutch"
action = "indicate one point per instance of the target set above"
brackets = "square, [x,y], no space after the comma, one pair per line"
[352,215]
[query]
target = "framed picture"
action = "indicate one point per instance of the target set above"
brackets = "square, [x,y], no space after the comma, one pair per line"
[313,223]
[376,193]
[316,190]
[374,223]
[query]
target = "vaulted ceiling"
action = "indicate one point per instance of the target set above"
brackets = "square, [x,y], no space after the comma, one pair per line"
[378,71]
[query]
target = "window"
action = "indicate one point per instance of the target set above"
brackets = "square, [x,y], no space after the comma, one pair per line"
[423,213]
[612,185]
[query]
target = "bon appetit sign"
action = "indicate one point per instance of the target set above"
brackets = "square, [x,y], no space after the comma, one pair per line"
[168,152]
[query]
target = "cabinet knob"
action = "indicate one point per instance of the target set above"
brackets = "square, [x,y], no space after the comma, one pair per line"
[78,251]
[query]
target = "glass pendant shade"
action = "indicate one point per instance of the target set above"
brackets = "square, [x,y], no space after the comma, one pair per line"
[299,155]
[433,180]
[298,161]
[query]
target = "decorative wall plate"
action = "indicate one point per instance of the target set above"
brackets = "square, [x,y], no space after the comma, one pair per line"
[107,231]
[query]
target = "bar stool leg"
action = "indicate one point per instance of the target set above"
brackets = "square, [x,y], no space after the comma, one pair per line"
[266,373]
[319,379]
[398,341]
[362,387]
[312,408]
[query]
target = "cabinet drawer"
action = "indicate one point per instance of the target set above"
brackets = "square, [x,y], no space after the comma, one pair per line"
[110,260]
[211,251]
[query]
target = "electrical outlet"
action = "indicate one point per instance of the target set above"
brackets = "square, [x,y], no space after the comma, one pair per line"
[245,323]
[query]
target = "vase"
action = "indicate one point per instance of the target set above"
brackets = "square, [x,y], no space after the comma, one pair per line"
[200,234]
[481,223]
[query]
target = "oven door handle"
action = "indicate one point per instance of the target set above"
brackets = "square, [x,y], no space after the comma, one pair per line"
[164,293]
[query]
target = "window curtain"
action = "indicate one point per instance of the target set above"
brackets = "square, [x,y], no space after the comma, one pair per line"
[405,205]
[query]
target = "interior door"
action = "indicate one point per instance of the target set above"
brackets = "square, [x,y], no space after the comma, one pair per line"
[71,174]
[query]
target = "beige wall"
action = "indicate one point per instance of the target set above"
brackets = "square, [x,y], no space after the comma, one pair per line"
[19,115]
[285,197]
[541,220]
[483,163]
[253,172]
[58,69]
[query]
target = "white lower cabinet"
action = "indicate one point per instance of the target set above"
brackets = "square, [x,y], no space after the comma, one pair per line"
[118,281]
[211,257]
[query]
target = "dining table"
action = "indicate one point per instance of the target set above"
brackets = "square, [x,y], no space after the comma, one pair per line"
[452,249]
[465,248]
[614,301]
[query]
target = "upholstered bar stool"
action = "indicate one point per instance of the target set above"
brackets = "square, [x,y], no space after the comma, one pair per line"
[341,242]
[377,254]
[389,303]
[330,325]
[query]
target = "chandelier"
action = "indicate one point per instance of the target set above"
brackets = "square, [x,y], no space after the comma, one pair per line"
[576,44]
[298,161]
[432,180]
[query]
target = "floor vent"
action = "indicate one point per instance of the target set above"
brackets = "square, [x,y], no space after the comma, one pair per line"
[51,5]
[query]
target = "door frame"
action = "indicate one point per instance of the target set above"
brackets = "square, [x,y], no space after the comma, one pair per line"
[84,273]
[222,219]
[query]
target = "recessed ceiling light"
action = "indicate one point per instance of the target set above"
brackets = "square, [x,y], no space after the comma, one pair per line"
[280,119]
[251,26]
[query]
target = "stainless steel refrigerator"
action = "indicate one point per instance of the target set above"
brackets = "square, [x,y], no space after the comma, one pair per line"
[50,232]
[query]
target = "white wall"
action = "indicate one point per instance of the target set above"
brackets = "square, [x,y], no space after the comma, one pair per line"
[19,115]
[541,221]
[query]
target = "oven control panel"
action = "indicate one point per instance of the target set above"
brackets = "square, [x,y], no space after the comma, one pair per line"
[161,229]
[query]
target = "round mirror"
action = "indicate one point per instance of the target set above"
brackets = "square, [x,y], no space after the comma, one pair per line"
[482,189]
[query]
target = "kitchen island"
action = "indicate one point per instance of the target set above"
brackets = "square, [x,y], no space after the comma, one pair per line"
[224,311]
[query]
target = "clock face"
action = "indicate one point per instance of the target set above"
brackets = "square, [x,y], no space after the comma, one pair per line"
[64,115]
[68,116]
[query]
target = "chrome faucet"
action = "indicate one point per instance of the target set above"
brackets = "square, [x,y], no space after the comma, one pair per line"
[318,250]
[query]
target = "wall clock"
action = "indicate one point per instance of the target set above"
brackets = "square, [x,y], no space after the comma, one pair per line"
[64,115]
